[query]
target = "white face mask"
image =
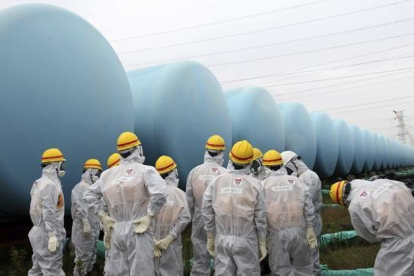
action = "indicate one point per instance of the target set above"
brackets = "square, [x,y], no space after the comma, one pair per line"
[60,170]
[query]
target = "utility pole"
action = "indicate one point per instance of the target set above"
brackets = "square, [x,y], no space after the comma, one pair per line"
[403,132]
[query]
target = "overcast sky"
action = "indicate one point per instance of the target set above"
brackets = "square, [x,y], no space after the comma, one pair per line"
[352,59]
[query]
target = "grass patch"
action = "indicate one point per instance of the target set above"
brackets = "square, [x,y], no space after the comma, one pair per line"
[358,254]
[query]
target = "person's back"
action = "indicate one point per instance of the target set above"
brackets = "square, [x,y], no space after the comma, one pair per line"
[235,217]
[387,204]
[197,182]
[170,222]
[290,216]
[85,226]
[297,167]
[134,194]
[382,211]
[47,211]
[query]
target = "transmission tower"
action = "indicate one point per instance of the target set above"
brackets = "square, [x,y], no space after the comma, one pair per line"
[403,132]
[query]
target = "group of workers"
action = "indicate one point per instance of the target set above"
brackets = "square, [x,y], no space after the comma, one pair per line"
[259,204]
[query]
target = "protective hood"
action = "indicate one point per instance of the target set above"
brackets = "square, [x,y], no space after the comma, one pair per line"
[218,159]
[231,169]
[135,157]
[356,185]
[172,179]
[280,172]
[297,166]
[88,174]
[51,171]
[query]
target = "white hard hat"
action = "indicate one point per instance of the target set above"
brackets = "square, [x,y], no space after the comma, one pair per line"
[287,156]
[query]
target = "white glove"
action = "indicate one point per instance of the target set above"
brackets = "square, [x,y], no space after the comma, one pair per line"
[262,249]
[86,227]
[310,236]
[165,242]
[107,239]
[157,251]
[107,221]
[141,225]
[53,242]
[210,243]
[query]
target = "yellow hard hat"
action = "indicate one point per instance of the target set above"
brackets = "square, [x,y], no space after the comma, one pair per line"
[92,164]
[241,153]
[113,160]
[257,154]
[127,140]
[272,158]
[216,142]
[52,155]
[165,164]
[337,192]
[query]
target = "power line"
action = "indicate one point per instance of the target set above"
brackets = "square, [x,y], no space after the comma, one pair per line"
[180,15]
[312,72]
[290,54]
[309,51]
[266,45]
[315,65]
[123,8]
[266,29]
[369,108]
[363,104]
[344,89]
[343,77]
[222,21]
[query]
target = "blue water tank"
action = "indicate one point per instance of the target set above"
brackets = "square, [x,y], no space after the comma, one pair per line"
[346,148]
[383,151]
[256,118]
[378,153]
[370,150]
[178,106]
[327,145]
[61,85]
[299,131]
[360,149]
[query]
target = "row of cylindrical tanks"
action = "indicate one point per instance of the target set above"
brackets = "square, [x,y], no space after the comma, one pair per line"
[62,85]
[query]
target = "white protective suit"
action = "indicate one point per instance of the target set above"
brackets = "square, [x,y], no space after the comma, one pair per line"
[234,209]
[172,219]
[85,244]
[383,211]
[289,212]
[197,182]
[47,211]
[131,190]
[312,181]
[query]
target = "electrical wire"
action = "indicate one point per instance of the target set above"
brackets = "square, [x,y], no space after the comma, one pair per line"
[180,15]
[363,104]
[316,65]
[312,72]
[369,108]
[123,8]
[286,55]
[269,44]
[343,89]
[343,77]
[260,30]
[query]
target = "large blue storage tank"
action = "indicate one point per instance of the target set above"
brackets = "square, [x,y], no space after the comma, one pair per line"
[256,118]
[383,151]
[370,150]
[299,131]
[327,145]
[61,85]
[378,153]
[178,106]
[346,148]
[360,150]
